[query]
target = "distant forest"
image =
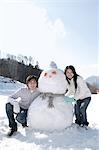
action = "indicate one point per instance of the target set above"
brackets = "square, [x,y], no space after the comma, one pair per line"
[18,69]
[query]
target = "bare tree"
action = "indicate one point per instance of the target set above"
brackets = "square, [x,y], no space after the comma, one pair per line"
[26,60]
[31,60]
[37,65]
[20,58]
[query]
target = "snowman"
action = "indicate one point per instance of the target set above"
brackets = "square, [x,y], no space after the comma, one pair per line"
[49,111]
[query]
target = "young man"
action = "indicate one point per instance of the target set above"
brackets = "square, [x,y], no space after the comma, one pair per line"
[27,96]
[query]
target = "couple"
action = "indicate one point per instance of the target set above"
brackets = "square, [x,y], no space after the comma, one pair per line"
[75,86]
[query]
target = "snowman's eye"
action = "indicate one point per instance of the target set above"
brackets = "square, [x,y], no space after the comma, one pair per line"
[54,72]
[45,74]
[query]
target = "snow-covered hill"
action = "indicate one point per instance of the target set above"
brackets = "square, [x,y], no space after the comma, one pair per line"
[72,138]
[93,80]
[7,85]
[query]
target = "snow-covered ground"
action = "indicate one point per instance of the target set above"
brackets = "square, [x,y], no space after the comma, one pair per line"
[72,138]
[8,86]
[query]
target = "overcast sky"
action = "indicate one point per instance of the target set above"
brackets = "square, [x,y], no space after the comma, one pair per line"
[65,31]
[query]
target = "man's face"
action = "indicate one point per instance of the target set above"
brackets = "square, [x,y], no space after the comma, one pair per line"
[32,84]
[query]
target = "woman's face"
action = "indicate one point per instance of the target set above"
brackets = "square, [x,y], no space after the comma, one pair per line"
[32,84]
[69,74]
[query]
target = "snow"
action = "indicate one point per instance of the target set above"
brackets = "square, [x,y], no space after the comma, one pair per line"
[72,138]
[7,83]
[49,119]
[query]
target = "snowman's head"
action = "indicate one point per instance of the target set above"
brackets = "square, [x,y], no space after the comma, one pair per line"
[52,81]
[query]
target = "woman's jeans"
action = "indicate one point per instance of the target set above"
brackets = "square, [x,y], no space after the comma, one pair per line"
[80,111]
[10,114]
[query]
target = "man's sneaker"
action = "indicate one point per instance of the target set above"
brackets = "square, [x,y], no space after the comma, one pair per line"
[12,131]
[77,122]
[84,124]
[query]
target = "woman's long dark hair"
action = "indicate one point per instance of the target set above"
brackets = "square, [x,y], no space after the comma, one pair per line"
[74,77]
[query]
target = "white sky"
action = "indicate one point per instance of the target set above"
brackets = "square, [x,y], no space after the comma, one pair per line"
[62,31]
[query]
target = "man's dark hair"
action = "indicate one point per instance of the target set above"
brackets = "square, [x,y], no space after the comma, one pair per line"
[31,77]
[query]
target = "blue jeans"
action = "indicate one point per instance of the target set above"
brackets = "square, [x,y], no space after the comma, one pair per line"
[80,111]
[10,115]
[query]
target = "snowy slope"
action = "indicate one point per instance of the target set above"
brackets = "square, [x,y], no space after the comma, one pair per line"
[7,85]
[93,80]
[72,138]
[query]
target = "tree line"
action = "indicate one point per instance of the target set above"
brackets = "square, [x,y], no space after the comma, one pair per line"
[18,70]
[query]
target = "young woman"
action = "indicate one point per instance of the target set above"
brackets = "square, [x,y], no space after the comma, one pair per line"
[77,87]
[27,96]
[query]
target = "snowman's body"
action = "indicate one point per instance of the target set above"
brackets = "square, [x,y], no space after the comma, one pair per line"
[49,111]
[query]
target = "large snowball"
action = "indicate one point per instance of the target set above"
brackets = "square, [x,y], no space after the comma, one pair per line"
[49,119]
